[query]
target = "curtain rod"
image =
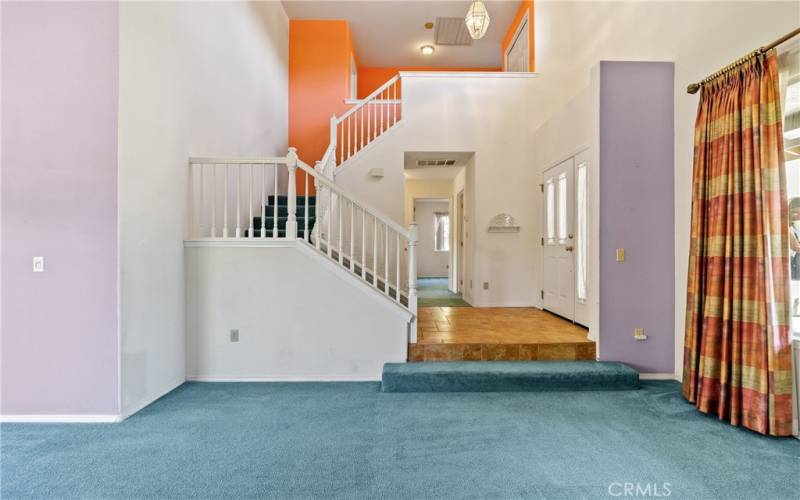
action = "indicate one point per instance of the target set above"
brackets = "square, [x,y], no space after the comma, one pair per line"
[694,87]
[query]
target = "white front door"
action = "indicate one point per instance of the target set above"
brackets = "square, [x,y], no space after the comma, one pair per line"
[559,242]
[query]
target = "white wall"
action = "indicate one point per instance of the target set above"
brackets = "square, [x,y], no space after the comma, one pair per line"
[437,116]
[295,312]
[195,79]
[430,262]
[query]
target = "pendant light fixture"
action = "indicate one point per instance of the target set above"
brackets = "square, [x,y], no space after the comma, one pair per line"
[477,20]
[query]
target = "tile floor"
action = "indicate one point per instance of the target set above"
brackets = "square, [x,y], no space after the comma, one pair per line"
[495,334]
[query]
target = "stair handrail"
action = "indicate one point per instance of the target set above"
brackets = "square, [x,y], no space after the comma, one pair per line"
[410,234]
[363,102]
[330,184]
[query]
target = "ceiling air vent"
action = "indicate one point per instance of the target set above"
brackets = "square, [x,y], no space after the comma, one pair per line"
[451,31]
[441,162]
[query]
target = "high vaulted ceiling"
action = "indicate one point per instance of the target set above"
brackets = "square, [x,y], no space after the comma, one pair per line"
[390,33]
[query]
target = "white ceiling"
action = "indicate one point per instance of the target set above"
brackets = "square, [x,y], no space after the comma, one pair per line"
[390,33]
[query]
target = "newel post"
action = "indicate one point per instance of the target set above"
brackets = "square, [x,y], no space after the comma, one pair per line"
[291,195]
[333,134]
[413,236]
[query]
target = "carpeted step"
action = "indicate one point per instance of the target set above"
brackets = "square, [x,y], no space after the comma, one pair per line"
[284,200]
[283,210]
[301,222]
[508,376]
[281,233]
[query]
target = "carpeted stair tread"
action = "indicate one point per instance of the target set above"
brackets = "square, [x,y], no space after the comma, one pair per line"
[283,210]
[508,376]
[281,233]
[284,200]
[301,222]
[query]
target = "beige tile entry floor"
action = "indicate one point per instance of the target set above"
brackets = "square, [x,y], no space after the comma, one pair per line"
[497,333]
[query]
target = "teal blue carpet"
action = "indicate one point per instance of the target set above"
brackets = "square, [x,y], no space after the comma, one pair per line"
[433,292]
[508,376]
[349,440]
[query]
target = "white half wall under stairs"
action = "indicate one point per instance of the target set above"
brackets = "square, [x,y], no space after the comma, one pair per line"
[299,316]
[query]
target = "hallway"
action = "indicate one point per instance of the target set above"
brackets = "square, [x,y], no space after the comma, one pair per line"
[433,292]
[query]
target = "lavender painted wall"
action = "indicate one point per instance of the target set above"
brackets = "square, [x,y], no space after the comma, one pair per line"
[59,200]
[637,214]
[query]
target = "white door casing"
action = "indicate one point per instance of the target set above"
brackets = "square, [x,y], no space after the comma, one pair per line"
[583,238]
[559,240]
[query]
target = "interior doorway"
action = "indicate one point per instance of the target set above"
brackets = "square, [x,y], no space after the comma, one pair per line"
[432,216]
[565,241]
[459,243]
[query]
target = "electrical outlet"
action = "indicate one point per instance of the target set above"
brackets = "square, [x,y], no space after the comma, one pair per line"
[620,255]
[38,264]
[638,333]
[485,285]
[235,335]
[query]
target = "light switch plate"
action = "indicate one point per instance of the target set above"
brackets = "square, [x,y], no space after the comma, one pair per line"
[620,255]
[38,264]
[235,335]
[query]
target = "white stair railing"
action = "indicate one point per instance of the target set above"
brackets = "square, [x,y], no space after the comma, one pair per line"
[366,121]
[248,199]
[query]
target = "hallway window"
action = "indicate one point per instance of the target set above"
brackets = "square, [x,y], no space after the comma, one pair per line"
[442,228]
[550,193]
[562,208]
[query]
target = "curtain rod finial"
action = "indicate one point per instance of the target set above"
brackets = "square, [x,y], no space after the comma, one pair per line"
[693,88]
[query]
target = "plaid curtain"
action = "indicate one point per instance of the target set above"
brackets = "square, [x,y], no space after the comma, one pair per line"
[737,354]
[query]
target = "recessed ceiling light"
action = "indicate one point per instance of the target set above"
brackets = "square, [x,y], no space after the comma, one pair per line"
[426,50]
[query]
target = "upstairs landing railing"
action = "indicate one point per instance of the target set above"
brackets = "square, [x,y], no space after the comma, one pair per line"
[366,121]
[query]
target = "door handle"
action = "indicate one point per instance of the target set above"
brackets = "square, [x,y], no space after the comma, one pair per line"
[568,249]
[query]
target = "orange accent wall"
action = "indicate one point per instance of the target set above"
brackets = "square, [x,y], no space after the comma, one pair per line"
[370,79]
[319,74]
[525,6]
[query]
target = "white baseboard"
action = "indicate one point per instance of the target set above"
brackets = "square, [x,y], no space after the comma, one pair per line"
[60,419]
[657,376]
[342,378]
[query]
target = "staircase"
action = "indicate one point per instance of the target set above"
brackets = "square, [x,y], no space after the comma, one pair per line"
[244,200]
[277,215]
[269,199]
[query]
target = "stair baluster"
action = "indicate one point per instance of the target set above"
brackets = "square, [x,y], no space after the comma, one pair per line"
[291,194]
